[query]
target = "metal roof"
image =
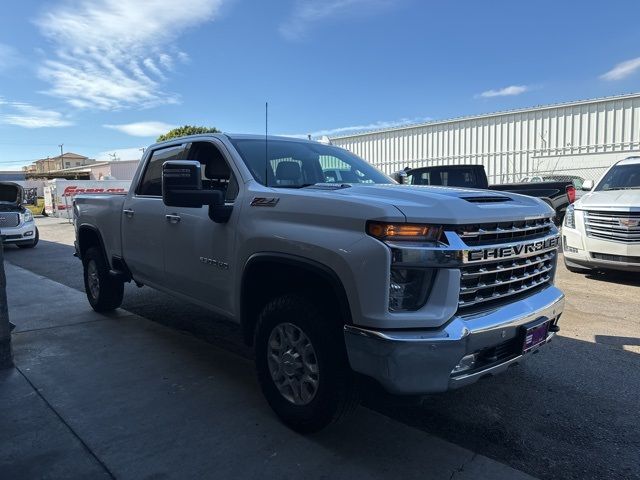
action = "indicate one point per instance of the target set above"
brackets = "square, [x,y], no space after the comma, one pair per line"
[489,115]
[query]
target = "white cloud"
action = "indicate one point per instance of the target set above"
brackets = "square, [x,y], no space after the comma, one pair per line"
[25,115]
[111,54]
[133,153]
[622,70]
[142,129]
[307,12]
[361,128]
[505,92]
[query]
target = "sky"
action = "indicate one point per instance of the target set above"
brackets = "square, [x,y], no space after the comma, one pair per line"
[108,76]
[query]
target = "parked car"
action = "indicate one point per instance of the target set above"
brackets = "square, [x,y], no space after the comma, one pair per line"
[558,194]
[16,222]
[602,229]
[421,289]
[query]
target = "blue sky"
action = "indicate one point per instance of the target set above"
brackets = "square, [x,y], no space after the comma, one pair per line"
[109,75]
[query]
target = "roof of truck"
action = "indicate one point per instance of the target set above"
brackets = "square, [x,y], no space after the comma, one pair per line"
[630,161]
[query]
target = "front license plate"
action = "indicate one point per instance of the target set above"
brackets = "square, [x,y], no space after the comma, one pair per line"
[535,336]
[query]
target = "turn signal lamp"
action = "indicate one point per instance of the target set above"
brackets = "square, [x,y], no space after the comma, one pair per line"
[412,232]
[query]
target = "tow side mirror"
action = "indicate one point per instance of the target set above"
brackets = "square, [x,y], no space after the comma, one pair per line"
[587,185]
[182,186]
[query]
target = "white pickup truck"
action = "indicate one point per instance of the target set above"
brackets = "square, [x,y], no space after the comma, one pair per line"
[602,229]
[332,270]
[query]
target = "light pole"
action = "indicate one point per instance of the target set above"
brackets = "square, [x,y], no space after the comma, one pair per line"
[6,355]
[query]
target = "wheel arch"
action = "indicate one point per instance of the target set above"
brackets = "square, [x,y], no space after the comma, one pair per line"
[289,270]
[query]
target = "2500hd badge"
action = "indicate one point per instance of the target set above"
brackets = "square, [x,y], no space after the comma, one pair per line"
[496,253]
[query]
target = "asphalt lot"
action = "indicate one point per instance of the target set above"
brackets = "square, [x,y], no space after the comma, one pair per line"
[569,412]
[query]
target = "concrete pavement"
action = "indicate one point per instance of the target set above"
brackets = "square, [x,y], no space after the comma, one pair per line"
[119,396]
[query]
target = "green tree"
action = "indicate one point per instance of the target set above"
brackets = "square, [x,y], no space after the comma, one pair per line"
[186,130]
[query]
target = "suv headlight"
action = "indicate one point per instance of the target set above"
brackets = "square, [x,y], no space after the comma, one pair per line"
[27,216]
[570,217]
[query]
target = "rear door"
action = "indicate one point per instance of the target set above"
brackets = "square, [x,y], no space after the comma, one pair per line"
[144,223]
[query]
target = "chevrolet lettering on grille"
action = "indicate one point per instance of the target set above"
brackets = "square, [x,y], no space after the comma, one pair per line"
[508,251]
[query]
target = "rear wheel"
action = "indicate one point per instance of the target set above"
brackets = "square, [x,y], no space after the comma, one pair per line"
[104,292]
[302,364]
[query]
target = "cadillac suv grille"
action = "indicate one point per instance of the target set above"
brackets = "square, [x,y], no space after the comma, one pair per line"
[502,232]
[613,226]
[9,219]
[495,283]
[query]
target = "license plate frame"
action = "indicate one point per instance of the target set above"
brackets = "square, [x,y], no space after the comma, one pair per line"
[535,334]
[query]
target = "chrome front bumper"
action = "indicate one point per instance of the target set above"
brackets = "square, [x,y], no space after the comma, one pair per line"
[19,234]
[422,361]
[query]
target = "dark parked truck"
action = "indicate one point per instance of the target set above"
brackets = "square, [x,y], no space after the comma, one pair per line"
[558,194]
[332,270]
[16,221]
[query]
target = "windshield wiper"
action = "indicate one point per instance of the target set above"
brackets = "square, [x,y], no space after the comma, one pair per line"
[621,188]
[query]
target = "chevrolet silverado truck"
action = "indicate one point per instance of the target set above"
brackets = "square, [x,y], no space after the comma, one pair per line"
[602,229]
[556,191]
[333,271]
[17,226]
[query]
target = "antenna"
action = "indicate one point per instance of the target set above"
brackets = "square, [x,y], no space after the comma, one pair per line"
[266,143]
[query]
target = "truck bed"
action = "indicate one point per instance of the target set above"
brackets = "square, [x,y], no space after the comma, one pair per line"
[104,212]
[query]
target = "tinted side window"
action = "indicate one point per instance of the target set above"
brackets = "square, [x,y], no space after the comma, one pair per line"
[151,183]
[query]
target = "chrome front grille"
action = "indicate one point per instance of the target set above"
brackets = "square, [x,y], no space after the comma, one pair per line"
[498,282]
[502,232]
[613,226]
[9,219]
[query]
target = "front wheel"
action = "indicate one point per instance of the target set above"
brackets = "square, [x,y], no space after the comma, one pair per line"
[32,243]
[302,364]
[104,292]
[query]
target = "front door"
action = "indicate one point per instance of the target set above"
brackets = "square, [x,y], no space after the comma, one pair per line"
[198,251]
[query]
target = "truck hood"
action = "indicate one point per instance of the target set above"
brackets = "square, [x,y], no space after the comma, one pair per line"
[447,205]
[10,195]
[609,200]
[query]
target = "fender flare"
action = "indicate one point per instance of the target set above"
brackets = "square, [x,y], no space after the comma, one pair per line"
[312,266]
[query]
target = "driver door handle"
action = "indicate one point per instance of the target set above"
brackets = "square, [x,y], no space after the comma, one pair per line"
[128,212]
[172,218]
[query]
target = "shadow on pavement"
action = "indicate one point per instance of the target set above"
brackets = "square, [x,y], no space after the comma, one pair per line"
[568,412]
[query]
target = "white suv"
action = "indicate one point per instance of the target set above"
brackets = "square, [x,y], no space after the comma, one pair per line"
[602,229]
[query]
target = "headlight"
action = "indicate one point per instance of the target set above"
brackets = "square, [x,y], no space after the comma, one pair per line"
[409,288]
[27,216]
[570,217]
[412,232]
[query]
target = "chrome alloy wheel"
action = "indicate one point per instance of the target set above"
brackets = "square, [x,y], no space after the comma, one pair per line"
[293,364]
[93,280]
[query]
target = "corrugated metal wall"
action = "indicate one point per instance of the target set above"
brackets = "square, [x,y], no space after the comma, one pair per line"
[510,145]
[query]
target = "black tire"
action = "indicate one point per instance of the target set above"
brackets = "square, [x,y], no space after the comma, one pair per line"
[336,394]
[104,291]
[31,244]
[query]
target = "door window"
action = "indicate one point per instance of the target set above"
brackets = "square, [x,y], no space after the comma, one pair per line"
[151,183]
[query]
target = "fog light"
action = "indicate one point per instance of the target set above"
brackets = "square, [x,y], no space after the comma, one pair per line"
[28,234]
[409,288]
[466,363]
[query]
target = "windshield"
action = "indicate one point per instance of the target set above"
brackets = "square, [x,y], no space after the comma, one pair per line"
[621,177]
[297,164]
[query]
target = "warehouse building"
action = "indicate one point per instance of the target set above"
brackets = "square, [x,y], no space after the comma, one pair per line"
[578,138]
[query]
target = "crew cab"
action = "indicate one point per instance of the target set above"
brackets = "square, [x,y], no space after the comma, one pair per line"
[558,192]
[17,226]
[333,271]
[602,229]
